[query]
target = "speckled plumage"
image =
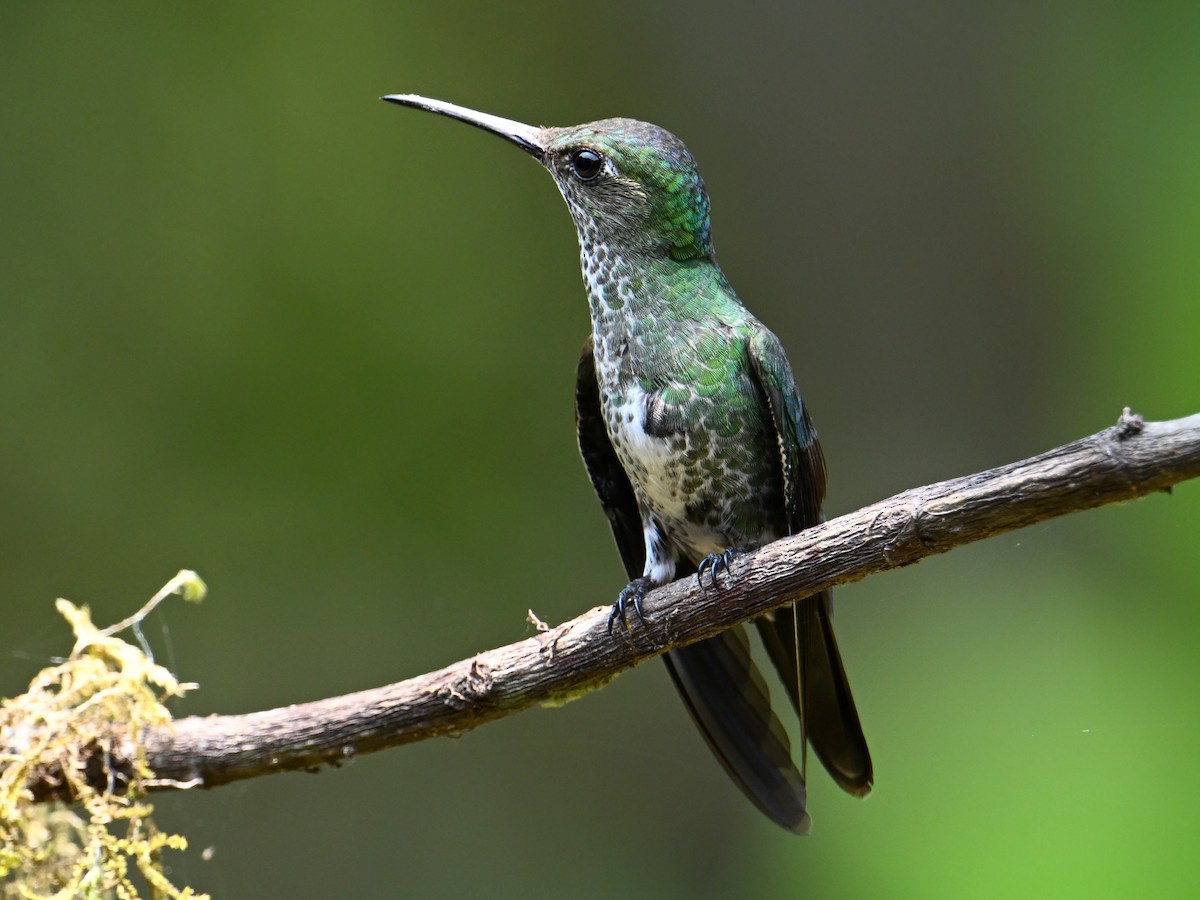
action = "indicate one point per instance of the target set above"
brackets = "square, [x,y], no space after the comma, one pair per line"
[696,441]
[687,421]
[670,339]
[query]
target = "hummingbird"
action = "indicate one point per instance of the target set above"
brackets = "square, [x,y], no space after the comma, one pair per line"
[697,443]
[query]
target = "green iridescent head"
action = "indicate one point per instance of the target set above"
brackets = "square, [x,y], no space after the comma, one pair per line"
[629,184]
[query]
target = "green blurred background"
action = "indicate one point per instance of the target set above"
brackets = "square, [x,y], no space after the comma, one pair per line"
[256,323]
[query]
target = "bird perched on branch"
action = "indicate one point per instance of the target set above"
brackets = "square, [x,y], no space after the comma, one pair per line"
[697,443]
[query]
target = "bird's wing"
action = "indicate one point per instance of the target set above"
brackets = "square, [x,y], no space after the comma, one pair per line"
[799,638]
[800,457]
[604,469]
[719,683]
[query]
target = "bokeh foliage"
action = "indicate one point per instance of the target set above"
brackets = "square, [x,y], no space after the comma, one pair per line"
[256,323]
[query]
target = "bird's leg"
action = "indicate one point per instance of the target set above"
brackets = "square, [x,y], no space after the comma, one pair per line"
[634,593]
[714,563]
[659,570]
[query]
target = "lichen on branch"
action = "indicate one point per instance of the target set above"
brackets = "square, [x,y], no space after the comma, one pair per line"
[80,726]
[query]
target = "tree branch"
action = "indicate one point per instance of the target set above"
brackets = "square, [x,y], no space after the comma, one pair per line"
[1125,462]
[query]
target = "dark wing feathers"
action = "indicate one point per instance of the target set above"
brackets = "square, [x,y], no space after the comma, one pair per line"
[827,713]
[608,478]
[820,690]
[719,683]
[800,455]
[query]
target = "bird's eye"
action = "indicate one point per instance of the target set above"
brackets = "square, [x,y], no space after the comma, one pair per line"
[586,163]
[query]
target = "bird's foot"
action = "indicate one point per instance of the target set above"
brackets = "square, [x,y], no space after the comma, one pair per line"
[634,593]
[714,563]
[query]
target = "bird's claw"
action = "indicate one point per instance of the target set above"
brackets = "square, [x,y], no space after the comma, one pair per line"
[634,593]
[714,563]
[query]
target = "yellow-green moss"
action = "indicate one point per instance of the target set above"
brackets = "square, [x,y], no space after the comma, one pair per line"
[103,696]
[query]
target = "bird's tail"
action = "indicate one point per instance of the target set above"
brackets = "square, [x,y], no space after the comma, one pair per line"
[817,685]
[729,701]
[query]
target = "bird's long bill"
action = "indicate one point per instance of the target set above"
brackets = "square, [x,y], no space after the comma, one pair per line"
[527,137]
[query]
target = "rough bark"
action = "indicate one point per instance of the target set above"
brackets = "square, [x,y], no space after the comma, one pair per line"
[1125,462]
